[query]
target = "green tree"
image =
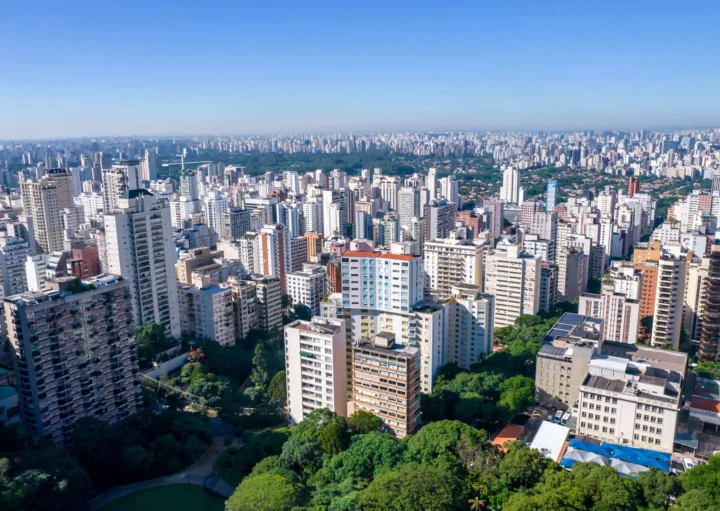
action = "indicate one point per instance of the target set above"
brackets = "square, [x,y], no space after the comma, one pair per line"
[440,438]
[151,340]
[277,389]
[367,457]
[259,373]
[658,487]
[303,455]
[702,485]
[413,487]
[329,430]
[265,492]
[522,467]
[364,422]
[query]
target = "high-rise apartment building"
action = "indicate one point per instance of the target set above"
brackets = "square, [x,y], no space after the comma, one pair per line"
[206,311]
[513,277]
[298,253]
[709,347]
[315,367]
[408,204]
[234,223]
[452,261]
[572,268]
[139,247]
[669,298]
[275,253]
[308,286]
[379,292]
[245,305]
[394,398]
[269,301]
[214,205]
[62,179]
[551,195]
[471,322]
[122,176]
[13,254]
[439,219]
[191,260]
[40,201]
[75,353]
[618,304]
[510,191]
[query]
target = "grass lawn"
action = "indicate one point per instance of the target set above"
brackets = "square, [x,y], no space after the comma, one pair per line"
[176,497]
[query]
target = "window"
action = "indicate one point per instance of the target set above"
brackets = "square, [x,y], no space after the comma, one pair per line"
[636,437]
[582,424]
[612,431]
[643,438]
[658,431]
[604,430]
[659,421]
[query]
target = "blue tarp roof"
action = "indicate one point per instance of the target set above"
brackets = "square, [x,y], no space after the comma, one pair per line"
[594,448]
[644,457]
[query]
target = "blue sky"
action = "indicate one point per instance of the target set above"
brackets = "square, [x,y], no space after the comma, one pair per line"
[79,68]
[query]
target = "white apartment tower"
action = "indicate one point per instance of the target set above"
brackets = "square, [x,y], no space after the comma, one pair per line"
[308,287]
[315,367]
[452,261]
[139,247]
[671,281]
[471,322]
[513,277]
[122,176]
[510,191]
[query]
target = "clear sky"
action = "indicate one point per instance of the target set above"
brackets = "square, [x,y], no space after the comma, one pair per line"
[137,67]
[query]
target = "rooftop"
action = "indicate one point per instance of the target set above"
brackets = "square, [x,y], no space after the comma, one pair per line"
[317,325]
[659,358]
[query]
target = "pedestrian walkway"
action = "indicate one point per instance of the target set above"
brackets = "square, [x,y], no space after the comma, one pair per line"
[200,473]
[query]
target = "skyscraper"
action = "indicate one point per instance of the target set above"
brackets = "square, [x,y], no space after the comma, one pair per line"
[551,195]
[75,354]
[510,191]
[471,322]
[671,281]
[452,261]
[439,219]
[275,253]
[710,333]
[234,223]
[513,277]
[121,177]
[40,201]
[139,247]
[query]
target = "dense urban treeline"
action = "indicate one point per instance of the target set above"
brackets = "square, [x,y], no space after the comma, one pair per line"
[36,474]
[323,464]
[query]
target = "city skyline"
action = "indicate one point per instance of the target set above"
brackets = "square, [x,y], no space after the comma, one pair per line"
[238,69]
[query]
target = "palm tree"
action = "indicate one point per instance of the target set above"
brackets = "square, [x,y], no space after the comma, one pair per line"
[477,503]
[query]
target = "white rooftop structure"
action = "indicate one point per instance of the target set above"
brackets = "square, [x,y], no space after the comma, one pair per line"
[550,439]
